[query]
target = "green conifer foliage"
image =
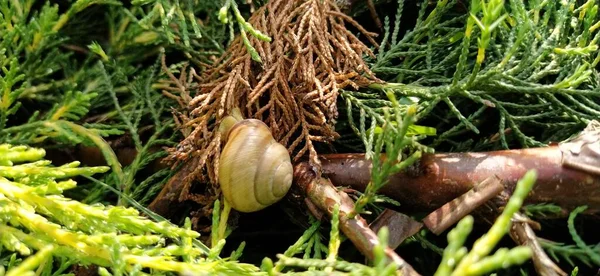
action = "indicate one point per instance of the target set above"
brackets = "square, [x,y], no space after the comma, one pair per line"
[74,74]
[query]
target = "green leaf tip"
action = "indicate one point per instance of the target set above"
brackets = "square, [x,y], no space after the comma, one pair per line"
[10,154]
[457,260]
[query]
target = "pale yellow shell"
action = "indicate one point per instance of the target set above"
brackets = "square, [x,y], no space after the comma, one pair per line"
[254,170]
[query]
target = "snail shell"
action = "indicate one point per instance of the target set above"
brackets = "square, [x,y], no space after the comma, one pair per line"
[254,170]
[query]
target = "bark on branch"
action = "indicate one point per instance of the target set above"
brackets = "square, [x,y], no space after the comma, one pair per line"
[440,178]
[522,233]
[325,196]
[450,213]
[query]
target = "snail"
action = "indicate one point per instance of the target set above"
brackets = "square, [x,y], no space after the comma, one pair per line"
[255,171]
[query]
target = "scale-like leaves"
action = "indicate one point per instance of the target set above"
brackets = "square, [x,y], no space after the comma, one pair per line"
[506,74]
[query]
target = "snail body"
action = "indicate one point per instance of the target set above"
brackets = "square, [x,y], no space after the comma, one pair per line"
[255,171]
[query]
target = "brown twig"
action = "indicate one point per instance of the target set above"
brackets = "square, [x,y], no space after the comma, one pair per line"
[435,180]
[374,15]
[453,211]
[325,196]
[400,226]
[522,233]
[439,178]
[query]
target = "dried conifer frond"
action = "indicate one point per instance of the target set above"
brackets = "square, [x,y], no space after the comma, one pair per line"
[294,90]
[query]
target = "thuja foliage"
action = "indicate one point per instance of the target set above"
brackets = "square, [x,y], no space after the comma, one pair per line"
[80,75]
[244,27]
[458,261]
[88,74]
[503,74]
[36,217]
[393,140]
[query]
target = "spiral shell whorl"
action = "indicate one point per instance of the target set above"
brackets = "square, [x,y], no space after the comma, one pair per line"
[276,174]
[254,170]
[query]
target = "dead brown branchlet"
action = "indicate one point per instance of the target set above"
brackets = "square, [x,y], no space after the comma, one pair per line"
[294,90]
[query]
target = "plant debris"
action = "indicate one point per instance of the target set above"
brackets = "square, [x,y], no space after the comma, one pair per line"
[294,89]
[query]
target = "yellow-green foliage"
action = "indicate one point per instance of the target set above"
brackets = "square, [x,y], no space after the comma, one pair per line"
[458,261]
[35,216]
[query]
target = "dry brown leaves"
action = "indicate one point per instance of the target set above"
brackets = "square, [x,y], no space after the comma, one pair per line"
[311,57]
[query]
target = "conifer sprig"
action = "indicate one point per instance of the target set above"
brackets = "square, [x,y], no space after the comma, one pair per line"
[34,216]
[244,27]
[569,252]
[69,93]
[393,141]
[531,73]
[457,260]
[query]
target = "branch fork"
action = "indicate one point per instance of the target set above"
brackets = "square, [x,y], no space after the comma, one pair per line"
[324,196]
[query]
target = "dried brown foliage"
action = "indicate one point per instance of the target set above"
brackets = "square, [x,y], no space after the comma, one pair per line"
[294,90]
